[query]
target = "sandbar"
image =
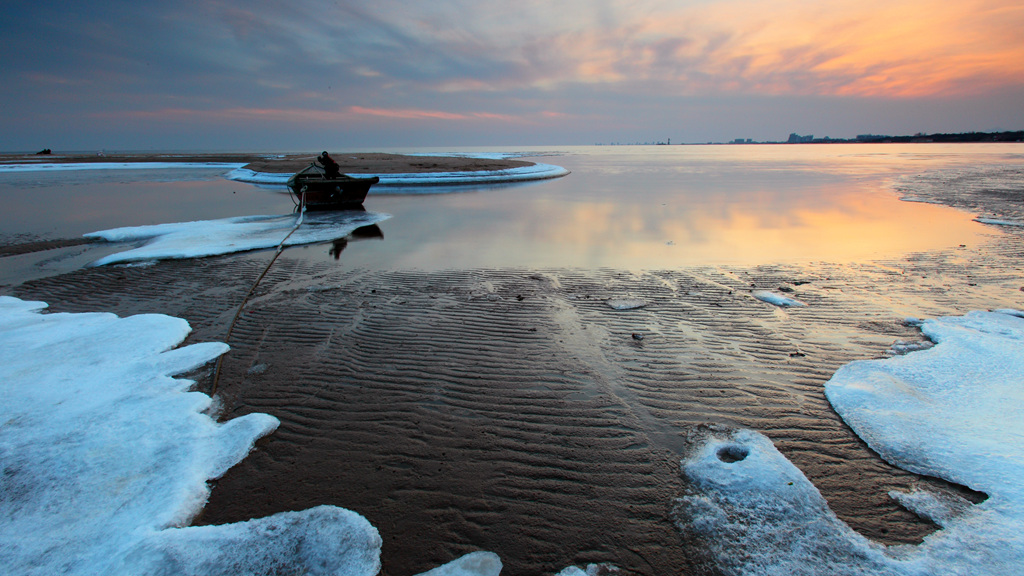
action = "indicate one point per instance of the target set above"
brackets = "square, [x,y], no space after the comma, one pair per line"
[359,163]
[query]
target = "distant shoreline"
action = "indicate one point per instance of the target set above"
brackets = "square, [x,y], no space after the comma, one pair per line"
[937,138]
[360,163]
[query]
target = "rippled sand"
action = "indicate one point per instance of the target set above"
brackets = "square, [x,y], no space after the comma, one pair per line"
[517,411]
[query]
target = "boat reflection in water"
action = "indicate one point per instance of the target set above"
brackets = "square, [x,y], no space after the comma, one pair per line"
[364,233]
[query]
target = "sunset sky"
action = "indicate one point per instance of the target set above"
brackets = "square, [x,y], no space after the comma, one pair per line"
[301,75]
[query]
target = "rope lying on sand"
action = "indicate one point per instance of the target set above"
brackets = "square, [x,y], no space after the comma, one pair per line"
[238,314]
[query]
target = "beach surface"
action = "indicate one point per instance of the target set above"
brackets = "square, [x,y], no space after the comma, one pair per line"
[541,412]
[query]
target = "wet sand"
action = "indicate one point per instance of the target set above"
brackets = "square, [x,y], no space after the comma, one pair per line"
[515,411]
[359,163]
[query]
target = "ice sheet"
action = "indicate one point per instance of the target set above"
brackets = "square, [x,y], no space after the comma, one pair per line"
[59,167]
[519,174]
[237,171]
[955,411]
[104,453]
[321,540]
[472,564]
[997,222]
[626,303]
[758,514]
[776,298]
[227,235]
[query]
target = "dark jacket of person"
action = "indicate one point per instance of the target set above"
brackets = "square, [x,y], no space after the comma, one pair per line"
[331,168]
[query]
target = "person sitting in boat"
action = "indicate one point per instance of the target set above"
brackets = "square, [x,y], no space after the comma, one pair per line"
[331,169]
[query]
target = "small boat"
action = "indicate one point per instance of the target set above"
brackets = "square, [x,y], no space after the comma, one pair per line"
[318,192]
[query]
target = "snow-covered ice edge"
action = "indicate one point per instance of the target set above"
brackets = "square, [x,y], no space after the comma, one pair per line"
[519,174]
[69,166]
[228,235]
[776,299]
[238,172]
[954,411]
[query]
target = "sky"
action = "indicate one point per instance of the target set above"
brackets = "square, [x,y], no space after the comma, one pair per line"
[305,75]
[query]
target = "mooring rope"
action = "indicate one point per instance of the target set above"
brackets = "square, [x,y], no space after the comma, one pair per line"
[238,313]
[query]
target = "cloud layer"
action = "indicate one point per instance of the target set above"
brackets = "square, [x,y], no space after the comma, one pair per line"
[455,67]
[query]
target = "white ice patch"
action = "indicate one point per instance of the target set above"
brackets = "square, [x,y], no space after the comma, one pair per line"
[518,174]
[592,570]
[776,299]
[228,235]
[321,540]
[759,514]
[626,303]
[920,200]
[900,347]
[997,222]
[104,453]
[939,508]
[472,564]
[954,411]
[60,167]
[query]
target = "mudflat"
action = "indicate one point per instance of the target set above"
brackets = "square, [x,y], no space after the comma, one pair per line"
[524,411]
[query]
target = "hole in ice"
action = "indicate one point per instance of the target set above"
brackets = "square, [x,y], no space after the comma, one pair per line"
[733,453]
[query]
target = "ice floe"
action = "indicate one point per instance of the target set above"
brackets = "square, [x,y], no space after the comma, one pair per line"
[472,564]
[105,456]
[626,303]
[758,514]
[997,222]
[227,235]
[905,347]
[776,299]
[69,166]
[518,174]
[592,570]
[954,411]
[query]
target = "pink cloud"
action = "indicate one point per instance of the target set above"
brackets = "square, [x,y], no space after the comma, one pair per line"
[406,114]
[301,115]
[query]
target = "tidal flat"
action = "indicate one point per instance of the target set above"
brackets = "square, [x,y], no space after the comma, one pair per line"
[461,376]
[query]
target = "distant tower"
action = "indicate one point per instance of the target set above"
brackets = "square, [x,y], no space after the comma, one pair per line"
[669,141]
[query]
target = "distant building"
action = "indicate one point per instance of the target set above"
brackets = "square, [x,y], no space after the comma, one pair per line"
[795,138]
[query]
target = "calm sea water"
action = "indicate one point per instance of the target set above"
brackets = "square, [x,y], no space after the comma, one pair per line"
[633,207]
[660,207]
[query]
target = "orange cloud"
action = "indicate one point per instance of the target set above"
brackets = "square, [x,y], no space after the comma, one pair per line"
[839,47]
[855,47]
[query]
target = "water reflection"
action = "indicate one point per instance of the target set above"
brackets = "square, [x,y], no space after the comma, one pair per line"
[627,207]
[364,233]
[669,210]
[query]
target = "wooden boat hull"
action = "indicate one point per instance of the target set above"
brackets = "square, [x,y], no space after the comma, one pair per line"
[319,193]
